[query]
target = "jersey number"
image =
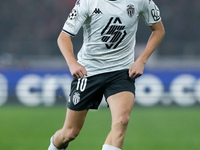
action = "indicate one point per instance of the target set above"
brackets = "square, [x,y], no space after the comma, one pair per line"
[81,85]
[113,33]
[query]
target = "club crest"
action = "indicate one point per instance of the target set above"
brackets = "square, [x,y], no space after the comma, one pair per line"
[130,10]
[76,98]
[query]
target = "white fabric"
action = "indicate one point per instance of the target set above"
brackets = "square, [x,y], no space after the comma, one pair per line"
[109,147]
[109,29]
[52,146]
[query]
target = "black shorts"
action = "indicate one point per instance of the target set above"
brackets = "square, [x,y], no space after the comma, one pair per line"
[87,92]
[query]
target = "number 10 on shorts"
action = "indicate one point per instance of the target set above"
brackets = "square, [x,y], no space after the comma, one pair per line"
[81,85]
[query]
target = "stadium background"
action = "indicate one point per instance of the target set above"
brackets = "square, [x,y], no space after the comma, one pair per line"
[34,79]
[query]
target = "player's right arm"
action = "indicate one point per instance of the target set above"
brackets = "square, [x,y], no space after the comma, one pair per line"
[66,48]
[75,20]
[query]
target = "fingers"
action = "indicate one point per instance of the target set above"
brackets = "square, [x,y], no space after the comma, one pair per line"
[138,75]
[134,74]
[136,70]
[77,70]
[79,73]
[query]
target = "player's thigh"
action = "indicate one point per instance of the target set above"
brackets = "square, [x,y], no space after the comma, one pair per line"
[75,119]
[121,104]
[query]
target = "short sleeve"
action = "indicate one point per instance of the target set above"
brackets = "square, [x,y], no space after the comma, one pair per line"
[150,12]
[76,18]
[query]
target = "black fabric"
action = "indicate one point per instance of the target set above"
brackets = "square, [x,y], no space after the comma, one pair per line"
[87,92]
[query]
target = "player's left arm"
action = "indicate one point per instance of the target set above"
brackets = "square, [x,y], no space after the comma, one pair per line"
[156,37]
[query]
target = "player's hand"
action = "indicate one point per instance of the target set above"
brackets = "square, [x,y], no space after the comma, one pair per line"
[77,70]
[136,69]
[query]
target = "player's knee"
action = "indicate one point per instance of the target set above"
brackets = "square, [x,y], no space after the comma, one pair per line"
[70,135]
[119,126]
[122,121]
[125,121]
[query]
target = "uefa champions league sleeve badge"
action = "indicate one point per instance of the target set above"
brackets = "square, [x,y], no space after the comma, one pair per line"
[73,14]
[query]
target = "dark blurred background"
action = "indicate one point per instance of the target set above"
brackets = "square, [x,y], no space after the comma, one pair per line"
[29,30]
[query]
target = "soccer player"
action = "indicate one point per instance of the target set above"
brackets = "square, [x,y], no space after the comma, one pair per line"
[105,64]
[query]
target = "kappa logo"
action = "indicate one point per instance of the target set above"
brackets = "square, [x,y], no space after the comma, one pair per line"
[97,11]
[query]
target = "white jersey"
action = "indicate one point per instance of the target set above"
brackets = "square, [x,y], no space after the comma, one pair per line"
[109,28]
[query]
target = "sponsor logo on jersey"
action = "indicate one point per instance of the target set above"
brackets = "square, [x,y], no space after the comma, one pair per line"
[130,10]
[69,24]
[155,13]
[76,98]
[73,14]
[97,11]
[113,33]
